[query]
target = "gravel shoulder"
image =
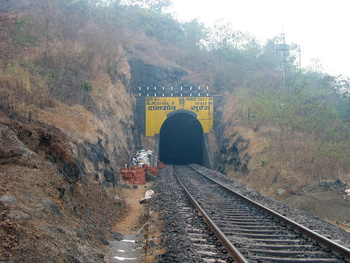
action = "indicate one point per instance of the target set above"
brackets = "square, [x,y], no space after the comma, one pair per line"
[306,219]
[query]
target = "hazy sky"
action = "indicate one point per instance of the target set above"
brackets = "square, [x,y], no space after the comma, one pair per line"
[319,27]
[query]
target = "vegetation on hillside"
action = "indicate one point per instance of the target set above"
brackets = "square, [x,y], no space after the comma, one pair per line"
[54,50]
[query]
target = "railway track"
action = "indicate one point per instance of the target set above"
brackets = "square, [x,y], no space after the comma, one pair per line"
[250,232]
[188,238]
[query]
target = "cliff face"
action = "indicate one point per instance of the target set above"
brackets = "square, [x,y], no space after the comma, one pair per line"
[60,164]
[232,153]
[66,129]
[143,73]
[101,139]
[50,207]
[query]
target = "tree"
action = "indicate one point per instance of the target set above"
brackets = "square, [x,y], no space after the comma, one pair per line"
[195,33]
[223,36]
[157,6]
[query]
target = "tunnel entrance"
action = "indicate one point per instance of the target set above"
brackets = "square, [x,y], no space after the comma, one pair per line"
[181,140]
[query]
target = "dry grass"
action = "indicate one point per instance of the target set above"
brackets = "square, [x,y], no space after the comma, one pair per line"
[75,121]
[291,162]
[345,226]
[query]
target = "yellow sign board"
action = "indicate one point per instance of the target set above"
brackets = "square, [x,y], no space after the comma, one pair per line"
[158,109]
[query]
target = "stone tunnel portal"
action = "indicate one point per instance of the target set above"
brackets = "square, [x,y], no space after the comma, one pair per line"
[181,140]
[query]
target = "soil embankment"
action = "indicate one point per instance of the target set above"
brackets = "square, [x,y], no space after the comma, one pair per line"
[51,211]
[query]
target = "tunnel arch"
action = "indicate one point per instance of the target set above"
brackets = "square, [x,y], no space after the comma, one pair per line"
[181,139]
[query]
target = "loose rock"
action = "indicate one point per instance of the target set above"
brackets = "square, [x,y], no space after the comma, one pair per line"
[10,200]
[281,191]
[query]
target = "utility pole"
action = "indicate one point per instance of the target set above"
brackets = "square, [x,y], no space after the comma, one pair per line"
[299,50]
[283,51]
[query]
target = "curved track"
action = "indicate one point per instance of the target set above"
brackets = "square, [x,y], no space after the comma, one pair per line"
[251,232]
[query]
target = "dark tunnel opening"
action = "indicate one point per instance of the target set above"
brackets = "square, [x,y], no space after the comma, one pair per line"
[181,140]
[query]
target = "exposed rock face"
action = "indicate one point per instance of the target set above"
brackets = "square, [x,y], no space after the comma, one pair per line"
[24,144]
[100,159]
[231,148]
[230,154]
[46,197]
[147,74]
[12,150]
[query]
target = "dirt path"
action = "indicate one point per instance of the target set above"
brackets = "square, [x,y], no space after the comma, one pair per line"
[136,212]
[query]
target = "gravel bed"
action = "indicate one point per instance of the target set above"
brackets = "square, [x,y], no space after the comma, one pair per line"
[314,223]
[174,237]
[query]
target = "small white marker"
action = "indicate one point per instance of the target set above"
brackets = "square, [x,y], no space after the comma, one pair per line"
[122,259]
[130,241]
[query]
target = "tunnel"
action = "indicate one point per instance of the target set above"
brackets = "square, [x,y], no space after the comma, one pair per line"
[181,140]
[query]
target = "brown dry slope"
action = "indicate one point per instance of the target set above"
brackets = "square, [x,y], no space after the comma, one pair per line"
[245,154]
[45,216]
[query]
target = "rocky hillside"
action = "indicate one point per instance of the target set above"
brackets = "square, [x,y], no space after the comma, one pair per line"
[69,70]
[66,129]
[50,205]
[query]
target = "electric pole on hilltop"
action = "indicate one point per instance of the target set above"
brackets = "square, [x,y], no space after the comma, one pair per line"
[283,51]
[299,51]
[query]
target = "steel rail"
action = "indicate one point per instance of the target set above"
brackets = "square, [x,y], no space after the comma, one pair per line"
[231,249]
[335,247]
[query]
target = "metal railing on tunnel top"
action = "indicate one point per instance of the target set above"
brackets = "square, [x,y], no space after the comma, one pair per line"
[173,91]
